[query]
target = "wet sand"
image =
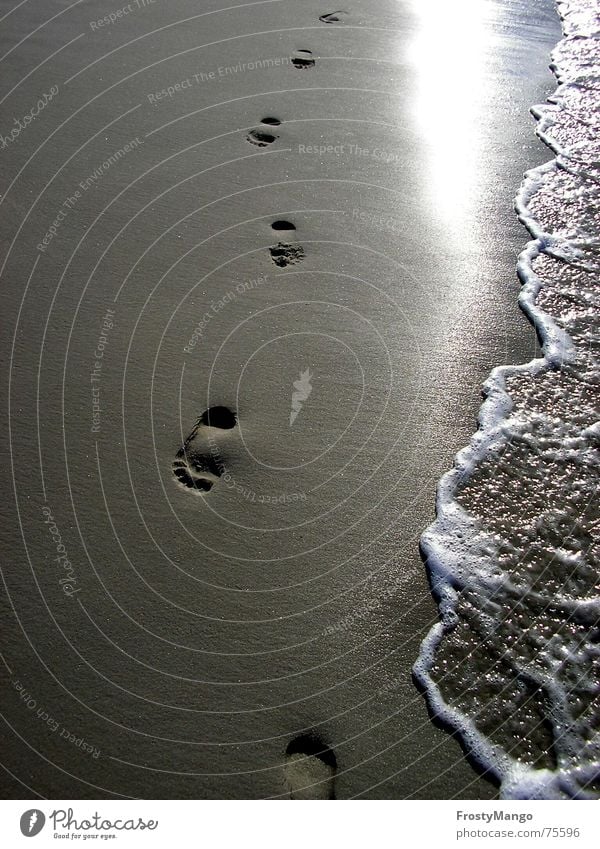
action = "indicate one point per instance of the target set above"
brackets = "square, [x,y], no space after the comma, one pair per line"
[175,642]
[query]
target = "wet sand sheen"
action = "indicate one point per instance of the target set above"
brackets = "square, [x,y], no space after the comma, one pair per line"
[310,282]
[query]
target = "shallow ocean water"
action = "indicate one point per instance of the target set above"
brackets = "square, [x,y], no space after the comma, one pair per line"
[210,630]
[515,552]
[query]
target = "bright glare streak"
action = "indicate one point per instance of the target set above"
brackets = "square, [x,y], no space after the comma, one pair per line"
[449,53]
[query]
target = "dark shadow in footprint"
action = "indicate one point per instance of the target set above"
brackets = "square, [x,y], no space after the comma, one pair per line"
[283,225]
[198,464]
[333,17]
[283,255]
[221,417]
[310,767]
[260,138]
[271,122]
[303,59]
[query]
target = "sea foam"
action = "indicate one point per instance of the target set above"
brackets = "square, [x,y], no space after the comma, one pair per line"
[514,554]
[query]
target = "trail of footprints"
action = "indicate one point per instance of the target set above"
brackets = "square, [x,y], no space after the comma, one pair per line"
[284,254]
[310,764]
[198,464]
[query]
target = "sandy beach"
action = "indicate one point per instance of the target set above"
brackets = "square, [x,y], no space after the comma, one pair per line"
[303,220]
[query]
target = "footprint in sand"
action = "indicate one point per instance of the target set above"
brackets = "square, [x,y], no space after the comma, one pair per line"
[283,254]
[333,17]
[310,767]
[263,138]
[198,464]
[260,138]
[303,59]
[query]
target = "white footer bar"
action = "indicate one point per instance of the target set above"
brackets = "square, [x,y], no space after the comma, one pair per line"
[277,825]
